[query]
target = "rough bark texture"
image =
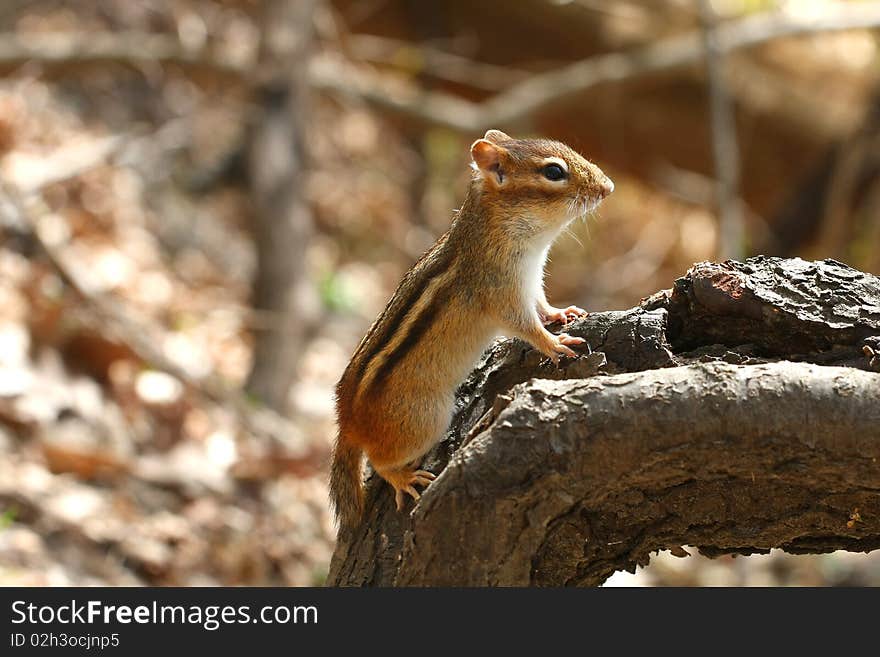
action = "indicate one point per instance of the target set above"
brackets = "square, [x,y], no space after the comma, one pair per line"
[737,412]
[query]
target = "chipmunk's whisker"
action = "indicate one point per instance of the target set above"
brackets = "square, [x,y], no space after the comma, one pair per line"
[586,225]
[573,205]
[574,236]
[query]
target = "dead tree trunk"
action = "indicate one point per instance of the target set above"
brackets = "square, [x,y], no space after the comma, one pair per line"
[282,218]
[737,412]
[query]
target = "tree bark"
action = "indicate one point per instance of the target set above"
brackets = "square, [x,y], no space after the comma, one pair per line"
[737,412]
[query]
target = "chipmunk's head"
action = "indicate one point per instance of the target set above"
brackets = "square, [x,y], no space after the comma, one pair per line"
[541,180]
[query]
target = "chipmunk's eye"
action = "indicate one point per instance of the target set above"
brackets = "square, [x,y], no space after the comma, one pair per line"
[554,172]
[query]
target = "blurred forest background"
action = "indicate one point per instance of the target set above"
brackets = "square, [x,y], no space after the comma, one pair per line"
[204,204]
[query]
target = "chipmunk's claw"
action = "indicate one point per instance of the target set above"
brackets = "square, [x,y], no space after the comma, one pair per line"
[565,338]
[560,347]
[399,498]
[423,477]
[564,315]
[405,482]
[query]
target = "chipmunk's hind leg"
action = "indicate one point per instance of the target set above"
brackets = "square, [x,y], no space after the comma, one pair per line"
[404,480]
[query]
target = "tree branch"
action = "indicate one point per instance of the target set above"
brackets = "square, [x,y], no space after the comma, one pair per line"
[690,423]
[576,479]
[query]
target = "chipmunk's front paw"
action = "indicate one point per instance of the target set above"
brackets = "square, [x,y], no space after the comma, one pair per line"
[560,347]
[563,315]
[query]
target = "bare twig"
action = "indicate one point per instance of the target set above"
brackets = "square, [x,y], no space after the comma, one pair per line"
[337,76]
[425,59]
[133,48]
[724,146]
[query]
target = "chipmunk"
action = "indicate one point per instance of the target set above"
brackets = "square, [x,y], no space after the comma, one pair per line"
[483,277]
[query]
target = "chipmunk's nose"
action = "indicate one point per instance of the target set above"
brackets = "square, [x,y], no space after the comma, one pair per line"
[607,186]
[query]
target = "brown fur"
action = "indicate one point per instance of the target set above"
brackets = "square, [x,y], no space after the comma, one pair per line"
[483,277]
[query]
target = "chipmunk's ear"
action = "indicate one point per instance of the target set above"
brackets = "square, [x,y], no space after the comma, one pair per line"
[496,136]
[487,159]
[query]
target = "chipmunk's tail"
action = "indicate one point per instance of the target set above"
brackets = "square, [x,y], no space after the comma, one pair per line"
[346,487]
